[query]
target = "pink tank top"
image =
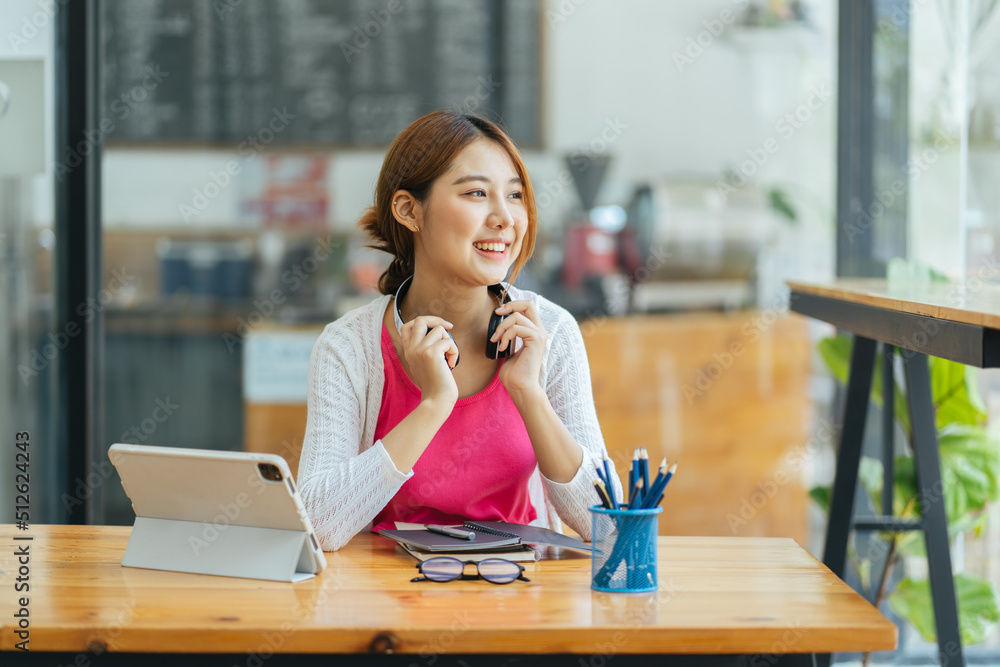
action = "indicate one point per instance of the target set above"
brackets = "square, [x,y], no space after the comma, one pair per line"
[478,464]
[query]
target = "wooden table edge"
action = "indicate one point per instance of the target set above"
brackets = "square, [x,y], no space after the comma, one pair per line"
[479,640]
[483,641]
[855,291]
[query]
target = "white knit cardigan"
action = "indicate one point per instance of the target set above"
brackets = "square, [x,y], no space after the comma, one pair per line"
[345,477]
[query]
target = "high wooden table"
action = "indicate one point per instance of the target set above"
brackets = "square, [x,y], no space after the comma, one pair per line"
[720,599]
[960,322]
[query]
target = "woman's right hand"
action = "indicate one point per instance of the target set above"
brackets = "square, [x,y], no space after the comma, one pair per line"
[430,353]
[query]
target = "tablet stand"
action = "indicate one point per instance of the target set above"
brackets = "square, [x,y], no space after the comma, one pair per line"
[228,551]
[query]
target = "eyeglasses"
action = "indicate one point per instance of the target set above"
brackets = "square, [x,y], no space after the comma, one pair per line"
[493,570]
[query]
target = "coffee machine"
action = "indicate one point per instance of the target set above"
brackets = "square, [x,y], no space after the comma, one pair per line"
[599,252]
[698,248]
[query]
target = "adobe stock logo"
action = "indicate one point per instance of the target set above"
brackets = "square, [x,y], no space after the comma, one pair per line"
[31,26]
[248,150]
[364,34]
[55,342]
[786,126]
[696,45]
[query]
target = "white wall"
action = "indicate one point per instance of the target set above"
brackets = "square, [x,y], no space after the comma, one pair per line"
[27,31]
[935,229]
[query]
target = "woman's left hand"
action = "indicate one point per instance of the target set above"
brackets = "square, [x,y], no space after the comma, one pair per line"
[521,372]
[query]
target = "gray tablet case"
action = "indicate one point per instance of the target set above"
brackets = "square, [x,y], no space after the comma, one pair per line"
[214,512]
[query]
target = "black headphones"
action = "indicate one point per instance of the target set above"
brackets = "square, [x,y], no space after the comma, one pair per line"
[492,352]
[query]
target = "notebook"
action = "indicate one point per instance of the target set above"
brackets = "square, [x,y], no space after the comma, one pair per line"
[521,553]
[528,534]
[425,540]
[490,535]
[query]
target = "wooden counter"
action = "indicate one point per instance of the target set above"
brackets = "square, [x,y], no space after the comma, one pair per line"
[725,394]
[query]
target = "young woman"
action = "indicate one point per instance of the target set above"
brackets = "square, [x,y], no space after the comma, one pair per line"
[409,419]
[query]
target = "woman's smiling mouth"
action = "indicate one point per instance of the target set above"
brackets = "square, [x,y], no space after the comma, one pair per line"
[492,250]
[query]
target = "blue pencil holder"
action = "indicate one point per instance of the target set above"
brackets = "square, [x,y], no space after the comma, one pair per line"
[624,556]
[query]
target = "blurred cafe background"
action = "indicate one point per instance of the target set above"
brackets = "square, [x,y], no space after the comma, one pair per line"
[163,279]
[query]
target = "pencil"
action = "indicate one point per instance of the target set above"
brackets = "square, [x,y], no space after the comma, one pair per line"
[635,500]
[607,482]
[655,488]
[600,475]
[661,473]
[632,466]
[663,485]
[644,465]
[670,473]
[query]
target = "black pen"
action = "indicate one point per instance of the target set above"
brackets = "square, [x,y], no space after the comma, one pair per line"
[603,493]
[460,533]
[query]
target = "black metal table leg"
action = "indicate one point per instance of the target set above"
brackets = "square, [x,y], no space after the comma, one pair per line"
[859,385]
[888,448]
[931,497]
[888,428]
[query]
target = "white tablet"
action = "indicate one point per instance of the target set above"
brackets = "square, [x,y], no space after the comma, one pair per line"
[214,512]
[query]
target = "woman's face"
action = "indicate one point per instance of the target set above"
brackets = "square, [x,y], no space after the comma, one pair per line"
[478,201]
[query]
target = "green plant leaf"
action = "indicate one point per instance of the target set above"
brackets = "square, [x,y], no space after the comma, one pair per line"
[911,545]
[978,609]
[821,496]
[779,201]
[970,475]
[901,409]
[836,354]
[864,568]
[905,494]
[972,523]
[938,277]
[970,469]
[955,394]
[870,476]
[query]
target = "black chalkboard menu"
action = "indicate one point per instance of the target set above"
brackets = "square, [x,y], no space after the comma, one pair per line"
[315,73]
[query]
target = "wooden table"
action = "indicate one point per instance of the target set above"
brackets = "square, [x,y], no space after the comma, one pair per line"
[960,322]
[734,596]
[957,321]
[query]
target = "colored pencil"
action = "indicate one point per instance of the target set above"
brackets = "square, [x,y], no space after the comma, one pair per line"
[666,480]
[632,469]
[654,488]
[635,501]
[600,474]
[644,463]
[661,472]
[607,482]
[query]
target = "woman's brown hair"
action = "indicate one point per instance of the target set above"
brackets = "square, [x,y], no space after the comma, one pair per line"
[418,156]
